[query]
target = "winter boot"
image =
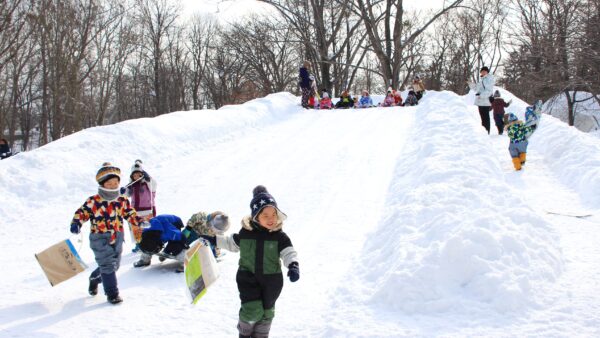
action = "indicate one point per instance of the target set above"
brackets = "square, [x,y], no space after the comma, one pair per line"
[180,258]
[109,281]
[136,248]
[517,163]
[95,279]
[523,157]
[144,261]
[114,299]
[262,328]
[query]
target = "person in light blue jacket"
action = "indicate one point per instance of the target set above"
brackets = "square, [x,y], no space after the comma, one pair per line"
[484,89]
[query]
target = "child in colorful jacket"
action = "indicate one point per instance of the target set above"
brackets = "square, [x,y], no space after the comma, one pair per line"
[106,211]
[161,230]
[142,190]
[498,105]
[325,102]
[517,132]
[203,224]
[262,246]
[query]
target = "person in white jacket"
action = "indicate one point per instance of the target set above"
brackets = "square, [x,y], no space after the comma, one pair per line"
[484,89]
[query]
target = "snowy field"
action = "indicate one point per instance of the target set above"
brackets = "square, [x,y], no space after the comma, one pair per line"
[408,221]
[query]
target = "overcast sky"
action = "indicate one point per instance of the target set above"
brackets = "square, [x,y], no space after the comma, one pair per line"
[236,8]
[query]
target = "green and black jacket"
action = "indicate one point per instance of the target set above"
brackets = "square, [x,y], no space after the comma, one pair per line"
[261,250]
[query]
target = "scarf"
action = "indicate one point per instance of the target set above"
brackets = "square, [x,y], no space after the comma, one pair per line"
[109,194]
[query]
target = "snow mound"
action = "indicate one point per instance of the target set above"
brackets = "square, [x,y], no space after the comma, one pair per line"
[158,138]
[573,155]
[454,236]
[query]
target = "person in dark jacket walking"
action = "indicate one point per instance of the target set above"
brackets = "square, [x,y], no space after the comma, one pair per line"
[306,83]
[5,151]
[498,105]
[262,245]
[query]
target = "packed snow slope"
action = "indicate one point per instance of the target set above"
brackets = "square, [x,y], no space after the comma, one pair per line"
[408,222]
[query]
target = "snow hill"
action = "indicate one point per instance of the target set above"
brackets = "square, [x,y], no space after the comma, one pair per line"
[409,221]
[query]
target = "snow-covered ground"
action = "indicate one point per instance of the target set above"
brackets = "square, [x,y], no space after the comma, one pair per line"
[408,222]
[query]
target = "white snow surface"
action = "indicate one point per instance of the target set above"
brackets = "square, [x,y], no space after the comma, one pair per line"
[408,221]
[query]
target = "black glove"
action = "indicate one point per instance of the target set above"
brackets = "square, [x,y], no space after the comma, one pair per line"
[145,176]
[122,190]
[75,228]
[293,272]
[211,239]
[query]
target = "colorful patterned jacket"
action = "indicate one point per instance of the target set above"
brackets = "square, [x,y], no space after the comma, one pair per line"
[106,216]
[517,132]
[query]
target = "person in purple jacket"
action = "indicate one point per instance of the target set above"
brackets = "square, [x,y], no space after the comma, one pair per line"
[142,191]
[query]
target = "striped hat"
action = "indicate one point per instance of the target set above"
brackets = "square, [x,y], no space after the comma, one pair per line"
[106,172]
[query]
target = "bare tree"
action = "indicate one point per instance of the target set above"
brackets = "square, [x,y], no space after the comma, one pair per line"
[389,33]
[158,21]
[267,48]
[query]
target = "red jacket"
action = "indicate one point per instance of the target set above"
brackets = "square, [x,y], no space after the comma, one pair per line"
[498,106]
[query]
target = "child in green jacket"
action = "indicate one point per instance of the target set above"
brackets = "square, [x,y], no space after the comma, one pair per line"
[262,246]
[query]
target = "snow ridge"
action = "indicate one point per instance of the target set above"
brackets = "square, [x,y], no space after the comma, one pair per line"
[441,249]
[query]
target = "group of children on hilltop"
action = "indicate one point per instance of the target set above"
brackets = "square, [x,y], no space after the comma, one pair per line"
[311,98]
[261,242]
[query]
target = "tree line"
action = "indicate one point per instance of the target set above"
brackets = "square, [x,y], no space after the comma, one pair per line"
[66,65]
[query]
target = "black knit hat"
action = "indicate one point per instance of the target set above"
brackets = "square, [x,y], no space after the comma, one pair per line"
[261,199]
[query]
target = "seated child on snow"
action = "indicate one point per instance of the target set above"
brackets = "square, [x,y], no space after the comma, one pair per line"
[259,278]
[142,191]
[161,230]
[203,224]
[411,99]
[106,211]
[346,101]
[365,100]
[397,98]
[389,100]
[325,102]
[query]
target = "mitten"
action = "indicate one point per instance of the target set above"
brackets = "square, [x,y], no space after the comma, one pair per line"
[122,190]
[293,271]
[211,239]
[75,228]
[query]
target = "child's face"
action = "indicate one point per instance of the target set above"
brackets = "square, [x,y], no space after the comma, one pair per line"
[112,183]
[136,175]
[268,218]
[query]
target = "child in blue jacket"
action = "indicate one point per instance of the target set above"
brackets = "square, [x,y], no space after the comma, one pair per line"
[161,230]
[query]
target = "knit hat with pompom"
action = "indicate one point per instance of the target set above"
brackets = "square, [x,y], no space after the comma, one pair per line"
[261,199]
[106,172]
